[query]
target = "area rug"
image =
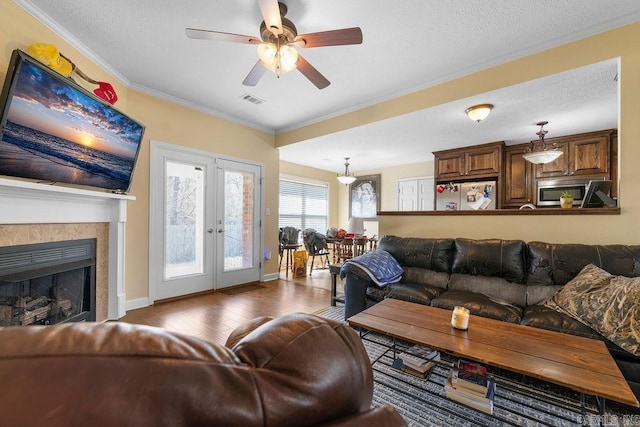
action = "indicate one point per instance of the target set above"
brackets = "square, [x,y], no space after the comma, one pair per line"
[519,401]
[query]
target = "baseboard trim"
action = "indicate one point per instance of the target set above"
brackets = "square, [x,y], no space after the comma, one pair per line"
[271,276]
[137,303]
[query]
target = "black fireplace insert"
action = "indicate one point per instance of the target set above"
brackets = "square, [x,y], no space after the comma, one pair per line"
[48,283]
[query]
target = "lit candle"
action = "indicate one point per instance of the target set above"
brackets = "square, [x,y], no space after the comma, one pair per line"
[460,318]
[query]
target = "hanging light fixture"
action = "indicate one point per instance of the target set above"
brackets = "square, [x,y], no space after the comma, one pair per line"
[538,152]
[479,112]
[348,177]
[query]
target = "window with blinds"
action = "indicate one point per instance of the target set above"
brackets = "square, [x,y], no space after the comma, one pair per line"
[303,205]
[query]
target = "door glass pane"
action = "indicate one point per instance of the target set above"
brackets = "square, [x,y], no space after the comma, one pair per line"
[238,220]
[184,220]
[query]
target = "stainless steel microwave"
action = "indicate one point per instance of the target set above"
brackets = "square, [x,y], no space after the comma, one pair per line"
[549,191]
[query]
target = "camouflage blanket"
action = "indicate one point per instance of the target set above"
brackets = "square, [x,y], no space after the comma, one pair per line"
[608,304]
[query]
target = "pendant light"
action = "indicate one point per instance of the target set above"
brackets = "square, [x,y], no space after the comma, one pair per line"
[538,153]
[348,177]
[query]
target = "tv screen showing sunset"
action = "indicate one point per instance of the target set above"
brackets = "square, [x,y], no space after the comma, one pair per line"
[56,133]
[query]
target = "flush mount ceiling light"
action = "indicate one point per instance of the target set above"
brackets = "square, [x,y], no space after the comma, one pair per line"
[538,152]
[479,112]
[348,177]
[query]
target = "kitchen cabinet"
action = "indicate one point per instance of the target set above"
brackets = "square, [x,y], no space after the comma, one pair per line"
[479,161]
[614,165]
[583,155]
[519,181]
[586,155]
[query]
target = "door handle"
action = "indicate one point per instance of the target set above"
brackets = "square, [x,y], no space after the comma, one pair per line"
[209,230]
[220,230]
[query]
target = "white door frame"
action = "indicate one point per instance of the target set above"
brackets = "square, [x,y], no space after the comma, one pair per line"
[156,239]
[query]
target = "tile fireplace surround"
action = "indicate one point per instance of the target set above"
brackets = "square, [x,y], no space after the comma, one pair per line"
[38,213]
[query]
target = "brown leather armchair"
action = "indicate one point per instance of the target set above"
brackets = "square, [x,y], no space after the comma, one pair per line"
[297,369]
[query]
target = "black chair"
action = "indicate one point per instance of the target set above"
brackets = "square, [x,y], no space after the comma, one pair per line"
[316,245]
[288,242]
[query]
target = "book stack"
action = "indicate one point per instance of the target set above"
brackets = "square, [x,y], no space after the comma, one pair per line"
[417,360]
[471,383]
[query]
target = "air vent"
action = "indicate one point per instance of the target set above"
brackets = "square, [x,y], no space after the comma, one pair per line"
[19,258]
[252,99]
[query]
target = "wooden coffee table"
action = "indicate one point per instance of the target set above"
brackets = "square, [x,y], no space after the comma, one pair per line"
[581,364]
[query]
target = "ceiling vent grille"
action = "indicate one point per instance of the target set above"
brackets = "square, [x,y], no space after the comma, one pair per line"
[252,99]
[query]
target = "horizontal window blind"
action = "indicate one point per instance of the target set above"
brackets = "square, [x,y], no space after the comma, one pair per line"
[303,205]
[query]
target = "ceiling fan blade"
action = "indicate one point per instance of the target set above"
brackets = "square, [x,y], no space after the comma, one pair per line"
[271,14]
[330,38]
[311,73]
[194,33]
[255,74]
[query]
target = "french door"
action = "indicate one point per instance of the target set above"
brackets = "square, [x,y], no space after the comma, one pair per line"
[204,223]
[238,223]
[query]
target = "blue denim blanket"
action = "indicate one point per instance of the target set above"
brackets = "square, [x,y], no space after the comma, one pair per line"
[378,265]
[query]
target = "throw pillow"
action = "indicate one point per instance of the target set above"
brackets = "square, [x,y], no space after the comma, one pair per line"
[606,303]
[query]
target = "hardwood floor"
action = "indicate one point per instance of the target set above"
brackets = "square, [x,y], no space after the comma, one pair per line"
[213,315]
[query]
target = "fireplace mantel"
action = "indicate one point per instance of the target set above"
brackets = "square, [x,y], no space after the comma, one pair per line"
[24,202]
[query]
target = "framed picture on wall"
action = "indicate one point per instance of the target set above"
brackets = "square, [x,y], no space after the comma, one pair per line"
[364,197]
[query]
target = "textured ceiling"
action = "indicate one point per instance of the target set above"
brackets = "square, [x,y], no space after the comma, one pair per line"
[408,45]
[581,100]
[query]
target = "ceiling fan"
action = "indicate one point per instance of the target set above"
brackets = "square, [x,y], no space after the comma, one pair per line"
[278,41]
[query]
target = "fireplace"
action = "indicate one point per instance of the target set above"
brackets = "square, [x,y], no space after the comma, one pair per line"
[48,283]
[39,213]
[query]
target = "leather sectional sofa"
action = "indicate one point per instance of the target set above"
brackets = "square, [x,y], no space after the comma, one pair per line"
[297,369]
[507,280]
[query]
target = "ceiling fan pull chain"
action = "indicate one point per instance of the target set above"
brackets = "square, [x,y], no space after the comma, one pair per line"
[278,58]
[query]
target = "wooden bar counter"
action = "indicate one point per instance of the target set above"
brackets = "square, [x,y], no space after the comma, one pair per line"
[504,212]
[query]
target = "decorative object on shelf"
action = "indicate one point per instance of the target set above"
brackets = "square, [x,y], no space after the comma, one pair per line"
[460,318]
[49,55]
[538,152]
[566,200]
[479,112]
[278,41]
[364,197]
[347,177]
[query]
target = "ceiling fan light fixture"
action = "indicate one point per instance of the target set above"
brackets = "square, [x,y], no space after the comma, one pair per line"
[278,41]
[348,177]
[278,59]
[288,58]
[479,112]
[267,52]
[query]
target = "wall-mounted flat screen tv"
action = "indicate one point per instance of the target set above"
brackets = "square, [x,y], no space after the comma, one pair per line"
[55,131]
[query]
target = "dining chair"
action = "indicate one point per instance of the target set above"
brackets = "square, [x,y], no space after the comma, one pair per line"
[316,245]
[288,242]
